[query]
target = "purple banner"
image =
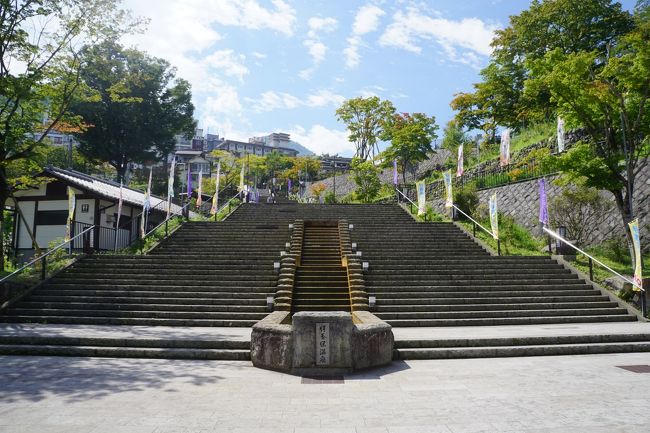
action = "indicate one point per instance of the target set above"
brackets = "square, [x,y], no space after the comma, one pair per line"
[543,204]
[288,186]
[189,182]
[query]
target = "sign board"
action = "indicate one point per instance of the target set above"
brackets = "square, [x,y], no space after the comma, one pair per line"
[322,344]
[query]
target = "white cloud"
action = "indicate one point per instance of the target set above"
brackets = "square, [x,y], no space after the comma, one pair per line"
[316,48]
[271,100]
[365,21]
[228,62]
[318,25]
[462,41]
[320,139]
[258,55]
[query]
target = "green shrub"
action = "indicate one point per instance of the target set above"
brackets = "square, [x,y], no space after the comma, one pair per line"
[466,199]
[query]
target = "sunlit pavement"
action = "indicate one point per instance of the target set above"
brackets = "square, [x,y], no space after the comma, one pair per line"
[537,394]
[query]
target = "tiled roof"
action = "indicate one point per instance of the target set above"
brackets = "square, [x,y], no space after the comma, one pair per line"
[108,189]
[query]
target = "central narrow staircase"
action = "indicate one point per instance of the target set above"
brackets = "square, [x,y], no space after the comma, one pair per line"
[321,282]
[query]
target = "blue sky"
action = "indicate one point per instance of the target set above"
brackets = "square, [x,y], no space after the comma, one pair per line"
[261,66]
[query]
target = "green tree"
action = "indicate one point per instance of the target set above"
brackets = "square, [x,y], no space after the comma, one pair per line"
[410,136]
[366,175]
[134,109]
[39,72]
[364,119]
[548,25]
[608,97]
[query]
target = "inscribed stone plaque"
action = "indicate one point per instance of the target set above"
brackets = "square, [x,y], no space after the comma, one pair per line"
[322,344]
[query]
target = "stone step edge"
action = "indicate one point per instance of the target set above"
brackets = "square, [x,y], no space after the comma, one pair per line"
[127,352]
[517,351]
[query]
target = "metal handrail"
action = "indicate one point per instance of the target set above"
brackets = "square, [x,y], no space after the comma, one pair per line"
[42,256]
[172,215]
[405,196]
[216,214]
[476,222]
[560,238]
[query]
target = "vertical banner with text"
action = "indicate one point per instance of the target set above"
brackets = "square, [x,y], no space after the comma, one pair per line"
[460,169]
[422,197]
[494,216]
[71,205]
[636,244]
[560,135]
[504,157]
[449,196]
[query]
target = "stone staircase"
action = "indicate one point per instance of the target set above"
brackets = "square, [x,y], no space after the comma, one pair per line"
[321,282]
[205,274]
[220,274]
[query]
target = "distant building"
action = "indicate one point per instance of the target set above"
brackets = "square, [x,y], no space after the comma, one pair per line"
[331,163]
[253,147]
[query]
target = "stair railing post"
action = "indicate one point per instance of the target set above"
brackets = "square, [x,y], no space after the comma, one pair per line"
[474,228]
[550,247]
[591,269]
[166,227]
[498,246]
[43,267]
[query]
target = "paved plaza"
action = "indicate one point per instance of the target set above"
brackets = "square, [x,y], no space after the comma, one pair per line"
[534,394]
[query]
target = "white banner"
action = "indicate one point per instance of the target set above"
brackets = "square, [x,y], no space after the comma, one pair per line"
[494,216]
[215,198]
[422,197]
[199,196]
[72,202]
[460,170]
[504,157]
[560,135]
[636,243]
[449,199]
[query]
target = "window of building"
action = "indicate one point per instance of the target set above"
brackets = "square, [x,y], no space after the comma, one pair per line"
[51,217]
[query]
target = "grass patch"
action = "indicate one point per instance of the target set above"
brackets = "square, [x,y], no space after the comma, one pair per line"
[515,239]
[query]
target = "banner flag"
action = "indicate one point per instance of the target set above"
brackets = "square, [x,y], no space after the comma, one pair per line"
[189,182]
[422,197]
[215,198]
[119,209]
[449,200]
[460,170]
[119,214]
[241,179]
[494,216]
[560,135]
[543,203]
[72,202]
[504,157]
[288,186]
[146,204]
[636,243]
[395,172]
[199,196]
[170,186]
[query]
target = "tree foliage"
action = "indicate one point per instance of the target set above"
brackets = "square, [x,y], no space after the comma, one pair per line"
[366,175]
[365,119]
[548,25]
[410,136]
[134,107]
[39,71]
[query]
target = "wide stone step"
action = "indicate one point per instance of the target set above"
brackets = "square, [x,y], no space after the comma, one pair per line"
[500,313]
[153,292]
[492,273]
[139,342]
[87,320]
[166,282]
[142,314]
[408,301]
[496,292]
[532,320]
[144,305]
[517,351]
[126,352]
[490,307]
[420,280]
[69,299]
